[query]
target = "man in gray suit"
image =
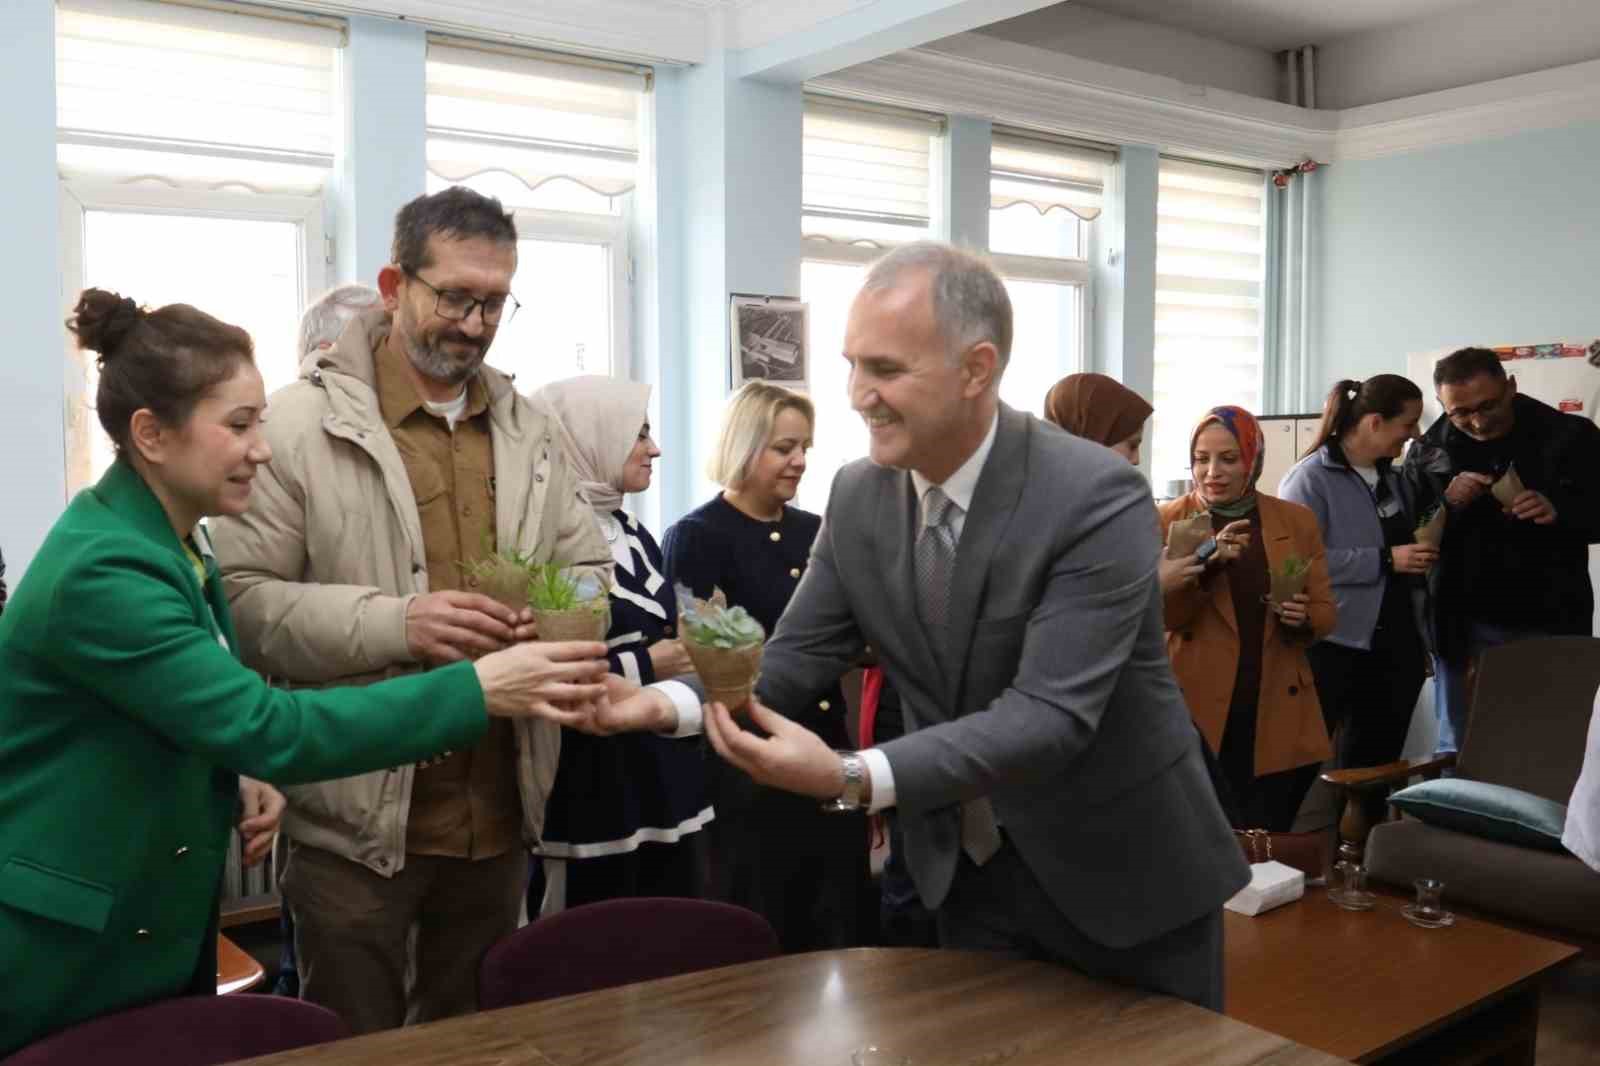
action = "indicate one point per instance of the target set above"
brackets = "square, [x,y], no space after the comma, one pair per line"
[1050,786]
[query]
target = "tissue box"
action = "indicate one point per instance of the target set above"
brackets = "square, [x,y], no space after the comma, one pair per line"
[1272,884]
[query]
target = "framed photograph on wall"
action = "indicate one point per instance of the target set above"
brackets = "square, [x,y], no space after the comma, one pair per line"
[771,338]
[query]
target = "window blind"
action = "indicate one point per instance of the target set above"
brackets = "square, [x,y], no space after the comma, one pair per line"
[143,74]
[1047,175]
[1210,254]
[864,169]
[532,118]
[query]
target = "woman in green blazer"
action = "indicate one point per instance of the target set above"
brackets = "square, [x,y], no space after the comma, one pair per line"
[125,718]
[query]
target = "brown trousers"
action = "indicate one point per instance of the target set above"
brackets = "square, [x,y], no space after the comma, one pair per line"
[386,951]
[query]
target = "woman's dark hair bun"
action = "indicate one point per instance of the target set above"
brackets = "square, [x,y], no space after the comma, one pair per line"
[102,320]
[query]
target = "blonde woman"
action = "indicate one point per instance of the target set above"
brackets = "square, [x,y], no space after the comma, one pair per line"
[771,851]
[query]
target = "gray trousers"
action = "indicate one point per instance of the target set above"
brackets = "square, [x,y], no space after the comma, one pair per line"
[1000,906]
[385,951]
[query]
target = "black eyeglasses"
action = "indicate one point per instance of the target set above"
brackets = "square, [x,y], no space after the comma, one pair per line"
[1463,416]
[455,305]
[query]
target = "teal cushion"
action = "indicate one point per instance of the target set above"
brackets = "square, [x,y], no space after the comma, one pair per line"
[1499,813]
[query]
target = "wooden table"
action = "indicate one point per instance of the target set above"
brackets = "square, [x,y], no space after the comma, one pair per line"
[938,1008]
[1370,987]
[236,970]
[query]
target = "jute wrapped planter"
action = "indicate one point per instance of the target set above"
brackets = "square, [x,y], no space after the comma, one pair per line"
[728,674]
[583,623]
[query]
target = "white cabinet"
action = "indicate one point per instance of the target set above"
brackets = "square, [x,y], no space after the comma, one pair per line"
[1288,437]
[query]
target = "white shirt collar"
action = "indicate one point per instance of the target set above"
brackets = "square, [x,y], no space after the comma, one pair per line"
[960,485]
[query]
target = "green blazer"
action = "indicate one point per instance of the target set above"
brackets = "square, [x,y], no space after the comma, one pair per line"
[124,724]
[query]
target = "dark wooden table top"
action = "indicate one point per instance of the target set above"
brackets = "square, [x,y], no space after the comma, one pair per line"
[935,1008]
[1358,984]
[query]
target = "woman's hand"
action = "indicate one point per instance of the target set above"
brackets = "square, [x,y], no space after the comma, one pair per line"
[258,824]
[1294,613]
[669,659]
[1180,573]
[1232,540]
[560,681]
[1413,558]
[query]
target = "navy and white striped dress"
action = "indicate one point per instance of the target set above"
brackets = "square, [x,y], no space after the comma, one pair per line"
[612,794]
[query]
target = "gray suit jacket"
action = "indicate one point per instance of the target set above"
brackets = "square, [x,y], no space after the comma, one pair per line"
[1052,693]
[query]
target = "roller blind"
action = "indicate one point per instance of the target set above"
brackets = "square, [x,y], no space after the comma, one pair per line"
[132,71]
[1210,275]
[1047,175]
[533,118]
[866,170]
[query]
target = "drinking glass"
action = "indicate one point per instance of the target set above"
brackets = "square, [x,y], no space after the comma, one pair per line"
[1348,887]
[1428,911]
[873,1055]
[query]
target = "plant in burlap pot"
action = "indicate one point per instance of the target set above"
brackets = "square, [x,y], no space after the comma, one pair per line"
[1289,579]
[1430,531]
[567,605]
[1185,535]
[724,643]
[1508,487]
[503,576]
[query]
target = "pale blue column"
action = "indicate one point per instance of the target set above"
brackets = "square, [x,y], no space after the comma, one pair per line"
[727,221]
[1125,273]
[382,165]
[964,182]
[32,365]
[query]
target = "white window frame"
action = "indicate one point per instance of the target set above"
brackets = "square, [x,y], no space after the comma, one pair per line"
[152,196]
[1077,273]
[612,232]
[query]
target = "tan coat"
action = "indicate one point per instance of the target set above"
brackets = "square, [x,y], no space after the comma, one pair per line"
[321,568]
[1203,641]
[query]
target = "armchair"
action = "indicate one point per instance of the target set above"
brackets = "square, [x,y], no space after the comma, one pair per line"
[1531,704]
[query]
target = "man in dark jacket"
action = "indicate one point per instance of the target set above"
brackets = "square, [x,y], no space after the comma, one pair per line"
[1506,571]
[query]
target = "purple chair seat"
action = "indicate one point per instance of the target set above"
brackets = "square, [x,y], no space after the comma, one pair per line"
[189,1031]
[618,942]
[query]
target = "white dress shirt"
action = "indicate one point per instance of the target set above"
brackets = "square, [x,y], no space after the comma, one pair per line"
[959,487]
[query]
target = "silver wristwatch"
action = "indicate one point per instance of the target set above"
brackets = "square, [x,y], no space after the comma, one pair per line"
[855,784]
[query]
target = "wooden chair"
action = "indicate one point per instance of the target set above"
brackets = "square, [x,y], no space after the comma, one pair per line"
[618,942]
[1526,730]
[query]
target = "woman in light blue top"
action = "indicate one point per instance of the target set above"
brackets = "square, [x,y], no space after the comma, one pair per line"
[1369,670]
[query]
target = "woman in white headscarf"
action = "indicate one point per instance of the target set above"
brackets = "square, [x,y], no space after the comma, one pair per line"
[622,807]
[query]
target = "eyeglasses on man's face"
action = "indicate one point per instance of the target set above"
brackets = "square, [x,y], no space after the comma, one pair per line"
[1488,409]
[455,305]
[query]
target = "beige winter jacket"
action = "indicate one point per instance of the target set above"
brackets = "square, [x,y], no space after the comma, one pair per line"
[321,568]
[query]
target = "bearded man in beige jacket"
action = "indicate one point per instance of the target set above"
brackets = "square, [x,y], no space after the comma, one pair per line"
[399,460]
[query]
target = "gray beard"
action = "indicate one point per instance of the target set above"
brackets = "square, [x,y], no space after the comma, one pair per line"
[435,363]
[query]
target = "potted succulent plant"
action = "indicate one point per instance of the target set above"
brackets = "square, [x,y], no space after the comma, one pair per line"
[724,643]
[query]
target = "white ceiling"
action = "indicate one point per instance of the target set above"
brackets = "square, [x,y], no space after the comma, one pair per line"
[1278,24]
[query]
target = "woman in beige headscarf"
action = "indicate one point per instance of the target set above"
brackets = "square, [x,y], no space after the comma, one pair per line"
[1106,411]
[622,806]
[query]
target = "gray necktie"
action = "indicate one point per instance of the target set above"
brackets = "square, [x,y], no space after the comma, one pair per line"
[936,564]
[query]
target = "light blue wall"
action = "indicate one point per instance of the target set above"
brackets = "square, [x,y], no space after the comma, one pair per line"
[1486,243]
[383,164]
[32,445]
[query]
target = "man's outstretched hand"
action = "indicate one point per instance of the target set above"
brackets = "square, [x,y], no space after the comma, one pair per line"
[790,756]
